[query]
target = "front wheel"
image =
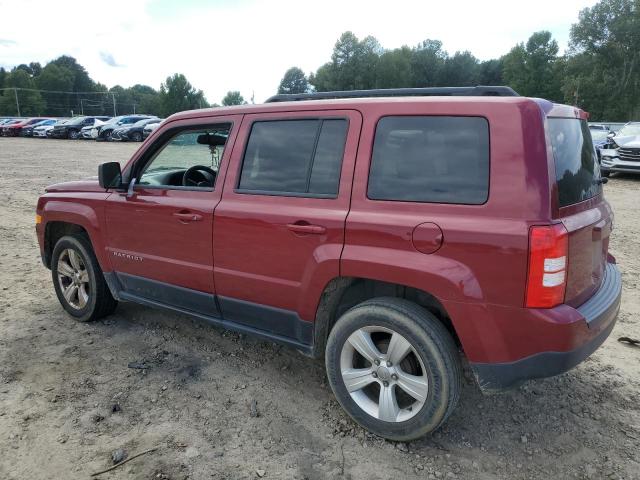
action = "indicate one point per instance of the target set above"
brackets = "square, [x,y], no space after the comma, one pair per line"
[605,173]
[78,280]
[394,368]
[136,136]
[73,134]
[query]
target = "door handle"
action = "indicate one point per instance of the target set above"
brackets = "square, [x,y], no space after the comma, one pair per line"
[187,217]
[306,228]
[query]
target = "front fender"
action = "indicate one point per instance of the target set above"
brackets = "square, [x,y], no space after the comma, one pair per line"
[86,213]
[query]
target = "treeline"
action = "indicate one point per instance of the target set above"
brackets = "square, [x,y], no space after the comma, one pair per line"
[600,72]
[63,87]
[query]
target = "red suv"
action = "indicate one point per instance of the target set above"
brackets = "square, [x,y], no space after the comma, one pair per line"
[386,234]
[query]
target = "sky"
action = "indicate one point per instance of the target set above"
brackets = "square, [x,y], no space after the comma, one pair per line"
[247,45]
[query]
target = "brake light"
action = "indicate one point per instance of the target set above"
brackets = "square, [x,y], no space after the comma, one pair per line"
[547,275]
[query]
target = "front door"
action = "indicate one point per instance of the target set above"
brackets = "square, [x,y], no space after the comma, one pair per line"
[279,228]
[160,233]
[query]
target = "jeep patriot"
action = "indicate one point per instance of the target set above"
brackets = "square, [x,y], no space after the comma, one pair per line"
[390,232]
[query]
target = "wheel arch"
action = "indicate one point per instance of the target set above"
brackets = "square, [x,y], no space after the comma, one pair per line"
[342,293]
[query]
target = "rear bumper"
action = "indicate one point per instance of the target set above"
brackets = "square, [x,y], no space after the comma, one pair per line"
[599,313]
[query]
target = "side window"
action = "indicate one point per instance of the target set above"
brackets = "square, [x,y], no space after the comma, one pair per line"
[301,157]
[434,159]
[190,158]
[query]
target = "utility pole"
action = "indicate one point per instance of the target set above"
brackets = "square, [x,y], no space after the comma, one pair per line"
[15,90]
[113,95]
[134,108]
[81,107]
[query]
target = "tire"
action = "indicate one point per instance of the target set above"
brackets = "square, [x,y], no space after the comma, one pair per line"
[432,358]
[91,300]
[107,136]
[605,173]
[136,136]
[72,134]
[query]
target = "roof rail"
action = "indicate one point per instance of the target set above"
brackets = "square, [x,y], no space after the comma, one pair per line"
[477,91]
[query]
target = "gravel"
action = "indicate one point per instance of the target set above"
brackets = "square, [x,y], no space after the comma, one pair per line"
[62,376]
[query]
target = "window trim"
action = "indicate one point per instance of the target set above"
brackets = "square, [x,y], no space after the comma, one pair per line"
[422,202]
[277,193]
[148,156]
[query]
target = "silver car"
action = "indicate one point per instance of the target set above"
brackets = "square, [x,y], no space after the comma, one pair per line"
[623,154]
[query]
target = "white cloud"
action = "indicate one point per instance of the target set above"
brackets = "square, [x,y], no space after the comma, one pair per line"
[247,46]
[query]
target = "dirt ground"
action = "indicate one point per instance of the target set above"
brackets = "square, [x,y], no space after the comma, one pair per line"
[220,405]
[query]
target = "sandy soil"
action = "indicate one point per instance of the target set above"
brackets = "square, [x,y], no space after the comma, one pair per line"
[68,398]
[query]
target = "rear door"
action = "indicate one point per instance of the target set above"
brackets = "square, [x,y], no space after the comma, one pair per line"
[582,208]
[279,228]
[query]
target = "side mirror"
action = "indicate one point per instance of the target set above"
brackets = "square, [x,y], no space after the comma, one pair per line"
[109,175]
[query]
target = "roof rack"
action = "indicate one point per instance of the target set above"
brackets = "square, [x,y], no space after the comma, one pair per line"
[477,91]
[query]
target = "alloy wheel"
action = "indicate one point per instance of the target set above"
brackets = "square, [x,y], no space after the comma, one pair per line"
[384,374]
[73,279]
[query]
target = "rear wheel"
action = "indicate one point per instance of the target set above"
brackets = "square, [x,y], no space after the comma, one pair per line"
[78,280]
[394,368]
[136,136]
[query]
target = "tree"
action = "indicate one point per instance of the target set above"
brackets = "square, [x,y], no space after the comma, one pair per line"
[427,63]
[177,94]
[461,70]
[394,68]
[533,69]
[490,72]
[603,69]
[31,102]
[233,98]
[294,81]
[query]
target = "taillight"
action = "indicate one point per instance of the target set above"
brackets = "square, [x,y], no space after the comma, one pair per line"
[547,277]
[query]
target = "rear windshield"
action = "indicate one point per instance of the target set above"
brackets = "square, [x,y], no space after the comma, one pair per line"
[577,169]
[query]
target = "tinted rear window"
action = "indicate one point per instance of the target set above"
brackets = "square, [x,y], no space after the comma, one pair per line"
[433,159]
[294,157]
[577,169]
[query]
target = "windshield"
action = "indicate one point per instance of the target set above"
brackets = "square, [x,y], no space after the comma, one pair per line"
[630,129]
[76,121]
[142,123]
[577,168]
[598,134]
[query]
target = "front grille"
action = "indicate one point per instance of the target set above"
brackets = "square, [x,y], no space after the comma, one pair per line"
[629,154]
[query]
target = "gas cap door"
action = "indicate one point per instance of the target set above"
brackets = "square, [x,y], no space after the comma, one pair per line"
[427,237]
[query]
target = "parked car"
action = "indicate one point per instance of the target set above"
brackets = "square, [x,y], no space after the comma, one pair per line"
[387,235]
[599,137]
[148,128]
[28,130]
[44,131]
[14,129]
[103,132]
[623,152]
[71,129]
[85,132]
[133,132]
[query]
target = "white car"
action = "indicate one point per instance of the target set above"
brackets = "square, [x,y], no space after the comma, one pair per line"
[86,133]
[150,127]
[42,130]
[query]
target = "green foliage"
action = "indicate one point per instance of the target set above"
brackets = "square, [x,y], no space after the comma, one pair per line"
[233,98]
[603,69]
[533,69]
[294,81]
[31,102]
[177,94]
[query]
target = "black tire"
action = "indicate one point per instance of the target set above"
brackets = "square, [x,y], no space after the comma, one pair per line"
[100,302]
[136,136]
[605,173]
[429,339]
[107,135]
[72,134]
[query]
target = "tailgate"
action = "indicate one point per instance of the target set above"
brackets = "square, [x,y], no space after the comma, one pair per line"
[582,208]
[589,233]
